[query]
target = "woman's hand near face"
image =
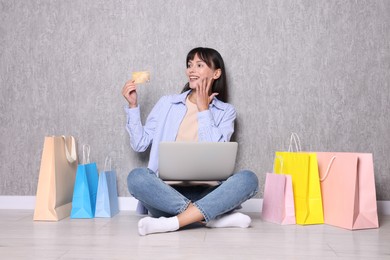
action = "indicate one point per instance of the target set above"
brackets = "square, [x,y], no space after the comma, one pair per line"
[129,91]
[202,94]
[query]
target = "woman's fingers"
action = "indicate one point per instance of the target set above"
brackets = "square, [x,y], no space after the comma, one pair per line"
[129,91]
[212,96]
[202,92]
[209,83]
[204,87]
[128,87]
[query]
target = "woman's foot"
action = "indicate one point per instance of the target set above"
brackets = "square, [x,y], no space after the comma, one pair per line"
[236,219]
[149,225]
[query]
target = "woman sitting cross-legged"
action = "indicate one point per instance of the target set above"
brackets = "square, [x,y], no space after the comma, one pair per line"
[200,113]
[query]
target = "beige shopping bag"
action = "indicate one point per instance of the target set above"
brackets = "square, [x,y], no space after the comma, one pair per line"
[56,179]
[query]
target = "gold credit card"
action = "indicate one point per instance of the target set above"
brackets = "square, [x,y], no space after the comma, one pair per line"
[141,77]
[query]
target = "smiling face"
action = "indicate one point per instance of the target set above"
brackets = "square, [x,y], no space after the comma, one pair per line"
[197,70]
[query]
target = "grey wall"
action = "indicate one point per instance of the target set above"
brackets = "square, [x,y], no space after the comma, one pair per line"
[318,68]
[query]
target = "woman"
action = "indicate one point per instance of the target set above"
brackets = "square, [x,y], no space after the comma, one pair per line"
[199,113]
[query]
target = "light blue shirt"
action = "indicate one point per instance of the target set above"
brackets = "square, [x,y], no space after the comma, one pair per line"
[214,125]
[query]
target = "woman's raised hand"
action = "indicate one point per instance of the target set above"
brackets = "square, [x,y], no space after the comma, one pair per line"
[129,91]
[202,92]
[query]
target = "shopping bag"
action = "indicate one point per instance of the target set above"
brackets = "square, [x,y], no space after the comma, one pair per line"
[56,179]
[85,188]
[278,200]
[107,194]
[348,190]
[303,168]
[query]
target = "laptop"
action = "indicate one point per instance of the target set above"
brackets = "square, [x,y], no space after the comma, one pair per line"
[197,161]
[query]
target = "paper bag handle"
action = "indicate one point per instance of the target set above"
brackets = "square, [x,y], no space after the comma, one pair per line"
[108,161]
[294,137]
[281,162]
[72,156]
[86,152]
[328,169]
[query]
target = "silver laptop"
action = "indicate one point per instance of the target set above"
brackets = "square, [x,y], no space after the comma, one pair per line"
[193,161]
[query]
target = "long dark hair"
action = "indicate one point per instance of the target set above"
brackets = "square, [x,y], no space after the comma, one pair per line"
[214,60]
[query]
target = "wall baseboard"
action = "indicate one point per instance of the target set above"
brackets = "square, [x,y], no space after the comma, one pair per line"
[130,204]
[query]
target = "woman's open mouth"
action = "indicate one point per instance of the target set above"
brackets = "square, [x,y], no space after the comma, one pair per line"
[193,78]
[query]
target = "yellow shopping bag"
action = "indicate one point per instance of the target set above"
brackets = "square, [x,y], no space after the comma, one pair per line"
[303,168]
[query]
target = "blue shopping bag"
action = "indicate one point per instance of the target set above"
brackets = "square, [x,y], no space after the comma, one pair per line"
[85,188]
[107,193]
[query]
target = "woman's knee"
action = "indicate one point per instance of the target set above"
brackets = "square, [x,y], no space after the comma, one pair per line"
[248,180]
[136,179]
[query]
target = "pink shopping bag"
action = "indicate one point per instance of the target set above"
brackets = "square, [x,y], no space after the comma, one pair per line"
[278,201]
[348,190]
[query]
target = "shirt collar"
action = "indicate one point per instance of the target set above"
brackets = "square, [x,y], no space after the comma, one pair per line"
[181,98]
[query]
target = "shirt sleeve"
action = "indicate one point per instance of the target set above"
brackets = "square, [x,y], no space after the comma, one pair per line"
[140,135]
[216,127]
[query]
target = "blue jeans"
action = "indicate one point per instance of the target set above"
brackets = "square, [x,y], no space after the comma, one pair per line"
[162,199]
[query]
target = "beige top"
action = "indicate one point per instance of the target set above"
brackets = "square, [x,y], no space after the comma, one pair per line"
[188,130]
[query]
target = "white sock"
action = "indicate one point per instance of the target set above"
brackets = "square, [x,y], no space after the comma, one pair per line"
[150,225]
[236,219]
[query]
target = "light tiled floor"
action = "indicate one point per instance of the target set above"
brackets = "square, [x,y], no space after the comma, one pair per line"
[117,238]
